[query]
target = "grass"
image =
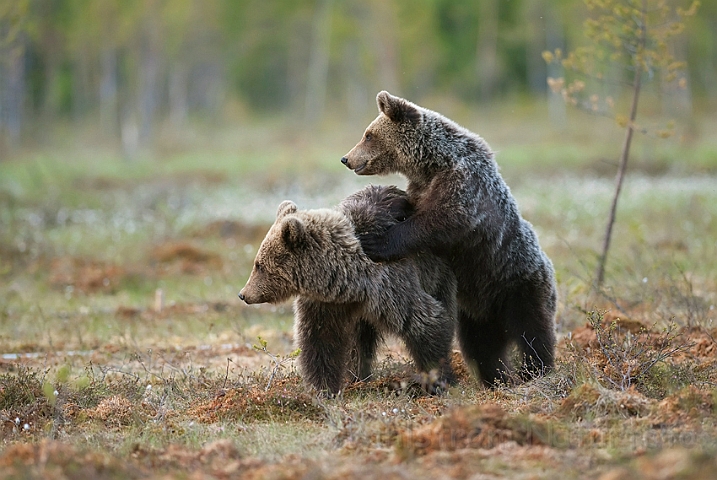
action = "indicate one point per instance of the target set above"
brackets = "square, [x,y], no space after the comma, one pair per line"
[127,354]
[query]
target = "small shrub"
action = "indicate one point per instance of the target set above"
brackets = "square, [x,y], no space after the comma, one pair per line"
[21,389]
[285,400]
[477,426]
[626,359]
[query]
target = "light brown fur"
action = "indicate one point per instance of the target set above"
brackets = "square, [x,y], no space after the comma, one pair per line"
[344,300]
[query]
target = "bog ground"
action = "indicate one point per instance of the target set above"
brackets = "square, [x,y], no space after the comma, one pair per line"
[125,352]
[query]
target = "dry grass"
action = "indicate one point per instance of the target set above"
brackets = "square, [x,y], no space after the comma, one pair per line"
[150,416]
[126,353]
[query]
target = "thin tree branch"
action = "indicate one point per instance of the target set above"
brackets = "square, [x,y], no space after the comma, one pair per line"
[600,276]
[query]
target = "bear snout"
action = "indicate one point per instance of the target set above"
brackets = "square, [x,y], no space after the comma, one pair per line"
[247,297]
[351,164]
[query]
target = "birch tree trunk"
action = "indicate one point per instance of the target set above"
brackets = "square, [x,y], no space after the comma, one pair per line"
[108,90]
[317,76]
[178,90]
[487,48]
[148,84]
[12,94]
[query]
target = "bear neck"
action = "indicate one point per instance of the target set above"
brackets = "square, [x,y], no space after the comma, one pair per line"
[336,252]
[441,144]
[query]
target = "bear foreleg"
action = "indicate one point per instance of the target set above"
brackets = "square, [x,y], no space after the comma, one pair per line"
[323,333]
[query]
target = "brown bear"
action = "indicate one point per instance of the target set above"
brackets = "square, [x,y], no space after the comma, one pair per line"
[344,301]
[465,213]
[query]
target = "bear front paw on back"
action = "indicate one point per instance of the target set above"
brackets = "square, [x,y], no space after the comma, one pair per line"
[374,246]
[375,211]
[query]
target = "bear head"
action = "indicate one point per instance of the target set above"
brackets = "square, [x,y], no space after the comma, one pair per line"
[390,140]
[272,279]
[310,252]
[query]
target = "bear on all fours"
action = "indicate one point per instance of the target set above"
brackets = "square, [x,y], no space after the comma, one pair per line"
[465,213]
[345,303]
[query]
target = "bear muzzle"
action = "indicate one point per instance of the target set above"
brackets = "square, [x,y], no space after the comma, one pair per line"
[357,169]
[247,298]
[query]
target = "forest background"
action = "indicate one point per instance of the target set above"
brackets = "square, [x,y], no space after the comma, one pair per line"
[128,67]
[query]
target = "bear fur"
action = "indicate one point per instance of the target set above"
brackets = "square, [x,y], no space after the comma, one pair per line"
[465,213]
[344,301]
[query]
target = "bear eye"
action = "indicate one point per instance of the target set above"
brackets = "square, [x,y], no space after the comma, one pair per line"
[258,267]
[368,137]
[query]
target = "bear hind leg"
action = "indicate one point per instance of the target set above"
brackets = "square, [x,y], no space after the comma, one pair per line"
[428,336]
[364,352]
[536,342]
[484,345]
[531,314]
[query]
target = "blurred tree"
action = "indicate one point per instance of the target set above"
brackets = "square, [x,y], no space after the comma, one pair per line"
[457,24]
[487,49]
[178,18]
[150,38]
[381,29]
[104,13]
[317,77]
[633,35]
[15,25]
[264,42]
[701,46]
[421,48]
[127,65]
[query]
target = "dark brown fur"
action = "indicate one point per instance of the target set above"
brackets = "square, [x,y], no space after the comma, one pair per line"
[465,213]
[347,302]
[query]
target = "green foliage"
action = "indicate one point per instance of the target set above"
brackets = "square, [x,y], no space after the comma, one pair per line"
[624,37]
[629,38]
[279,361]
[21,389]
[218,57]
[13,20]
[667,378]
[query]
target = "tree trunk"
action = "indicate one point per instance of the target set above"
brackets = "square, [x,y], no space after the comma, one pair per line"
[358,97]
[51,47]
[81,84]
[555,38]
[12,93]
[487,49]
[536,13]
[108,90]
[317,77]
[298,55]
[148,85]
[178,89]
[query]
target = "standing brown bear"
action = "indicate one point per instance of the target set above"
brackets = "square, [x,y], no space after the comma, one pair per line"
[465,213]
[345,302]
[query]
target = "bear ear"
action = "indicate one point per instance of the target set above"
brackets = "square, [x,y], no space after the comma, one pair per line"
[293,232]
[396,108]
[287,207]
